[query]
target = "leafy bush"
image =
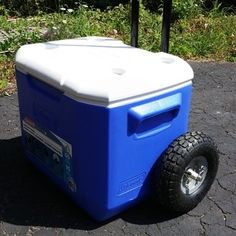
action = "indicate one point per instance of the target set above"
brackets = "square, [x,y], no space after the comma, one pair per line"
[104,3]
[224,3]
[183,8]
[180,8]
[33,7]
[152,5]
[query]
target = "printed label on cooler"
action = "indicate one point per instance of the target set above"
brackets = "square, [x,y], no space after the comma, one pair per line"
[53,151]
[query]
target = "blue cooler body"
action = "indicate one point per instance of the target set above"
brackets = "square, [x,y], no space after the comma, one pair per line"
[99,140]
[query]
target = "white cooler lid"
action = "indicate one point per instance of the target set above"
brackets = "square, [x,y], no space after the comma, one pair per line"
[102,69]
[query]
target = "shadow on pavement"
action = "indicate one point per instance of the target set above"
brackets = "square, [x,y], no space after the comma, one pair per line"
[28,198]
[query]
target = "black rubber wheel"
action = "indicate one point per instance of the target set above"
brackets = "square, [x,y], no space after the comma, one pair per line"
[186,171]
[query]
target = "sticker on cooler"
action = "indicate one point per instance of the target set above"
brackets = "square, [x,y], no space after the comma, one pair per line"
[53,151]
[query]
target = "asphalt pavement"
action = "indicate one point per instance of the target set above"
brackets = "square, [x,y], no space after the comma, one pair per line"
[31,205]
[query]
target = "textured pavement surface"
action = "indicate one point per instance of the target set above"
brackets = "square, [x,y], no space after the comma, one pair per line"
[31,205]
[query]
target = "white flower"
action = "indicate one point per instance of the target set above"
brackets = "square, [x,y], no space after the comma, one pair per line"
[63,9]
[70,10]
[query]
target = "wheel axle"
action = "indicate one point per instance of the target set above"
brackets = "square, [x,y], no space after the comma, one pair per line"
[193,175]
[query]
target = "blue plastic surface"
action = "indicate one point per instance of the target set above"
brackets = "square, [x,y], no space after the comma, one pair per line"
[113,150]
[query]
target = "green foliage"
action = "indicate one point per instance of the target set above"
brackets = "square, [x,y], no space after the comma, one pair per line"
[223,3]
[193,25]
[181,8]
[3,11]
[3,84]
[34,7]
[204,37]
[184,9]
[6,75]
[104,3]
[152,5]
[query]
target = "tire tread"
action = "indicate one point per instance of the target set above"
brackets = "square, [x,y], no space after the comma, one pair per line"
[171,166]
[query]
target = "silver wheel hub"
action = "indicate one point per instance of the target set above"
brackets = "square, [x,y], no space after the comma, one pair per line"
[194,175]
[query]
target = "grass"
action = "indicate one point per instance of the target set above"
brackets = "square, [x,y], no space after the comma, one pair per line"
[205,38]
[197,35]
[7,79]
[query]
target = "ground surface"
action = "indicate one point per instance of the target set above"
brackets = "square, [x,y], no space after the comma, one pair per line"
[30,205]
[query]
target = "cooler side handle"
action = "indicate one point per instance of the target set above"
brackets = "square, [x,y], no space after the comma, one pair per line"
[154,117]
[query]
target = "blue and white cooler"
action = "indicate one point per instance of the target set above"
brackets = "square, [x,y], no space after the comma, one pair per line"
[96,115]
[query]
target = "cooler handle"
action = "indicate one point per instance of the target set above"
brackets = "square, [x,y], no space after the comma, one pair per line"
[154,117]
